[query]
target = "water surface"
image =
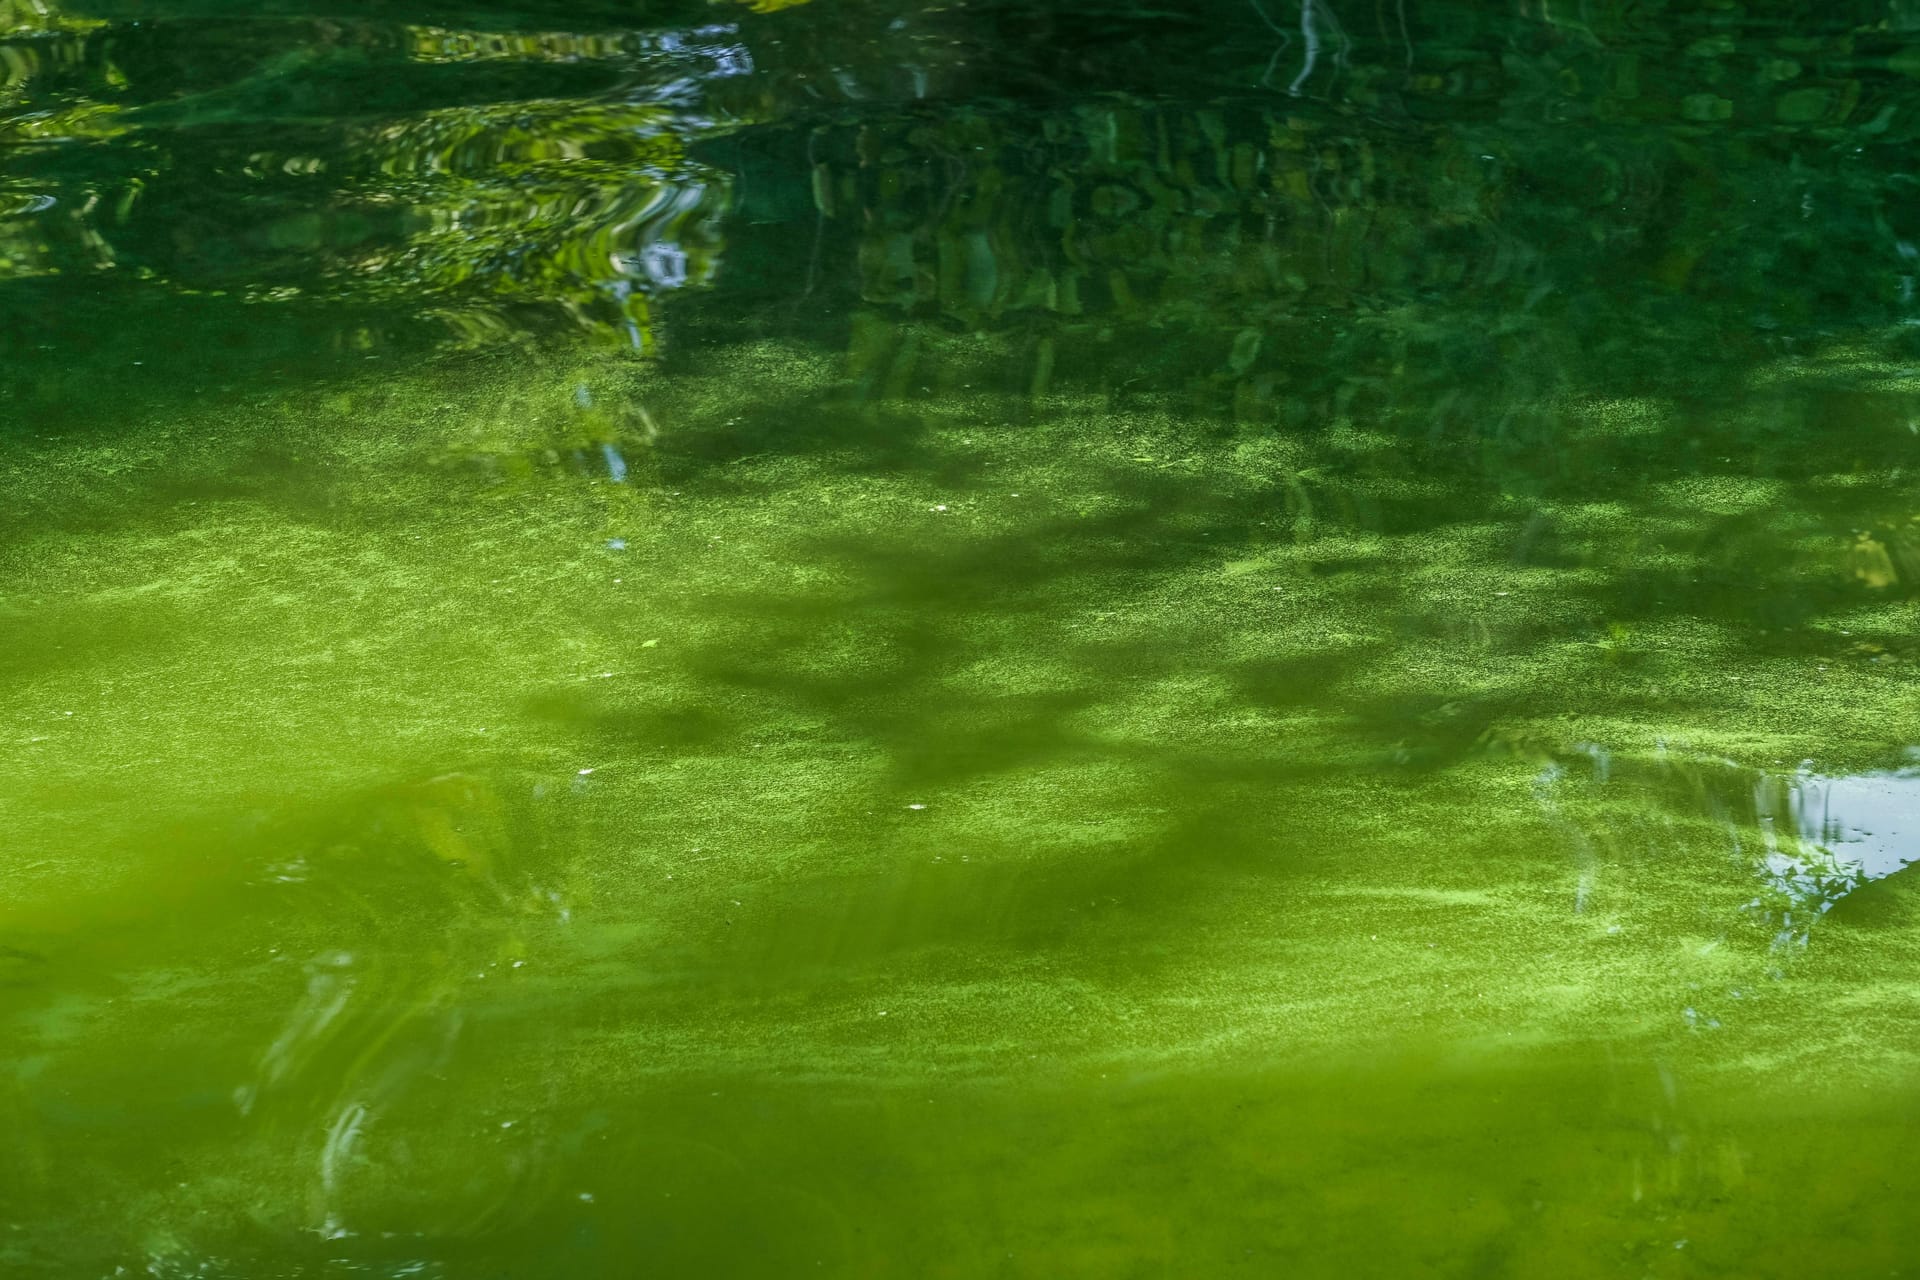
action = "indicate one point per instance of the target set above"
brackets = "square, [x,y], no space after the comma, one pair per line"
[991,640]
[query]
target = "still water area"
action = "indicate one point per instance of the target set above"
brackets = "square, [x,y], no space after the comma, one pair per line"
[997,638]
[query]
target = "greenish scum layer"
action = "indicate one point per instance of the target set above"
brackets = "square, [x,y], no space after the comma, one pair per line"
[451,819]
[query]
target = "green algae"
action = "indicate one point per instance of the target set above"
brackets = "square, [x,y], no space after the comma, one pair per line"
[1113,670]
[491,853]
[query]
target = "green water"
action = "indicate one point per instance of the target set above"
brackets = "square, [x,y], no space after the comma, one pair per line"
[996,639]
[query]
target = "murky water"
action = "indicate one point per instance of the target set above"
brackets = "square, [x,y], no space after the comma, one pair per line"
[854,639]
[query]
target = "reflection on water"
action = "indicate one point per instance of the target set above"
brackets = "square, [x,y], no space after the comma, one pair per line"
[299,158]
[1812,840]
[1293,194]
[1866,822]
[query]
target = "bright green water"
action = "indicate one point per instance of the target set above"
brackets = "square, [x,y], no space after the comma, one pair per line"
[985,640]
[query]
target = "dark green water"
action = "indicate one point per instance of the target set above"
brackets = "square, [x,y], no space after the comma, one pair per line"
[995,639]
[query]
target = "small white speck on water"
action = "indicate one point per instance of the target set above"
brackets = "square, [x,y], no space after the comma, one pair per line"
[916,806]
[586,1197]
[940,507]
[585,772]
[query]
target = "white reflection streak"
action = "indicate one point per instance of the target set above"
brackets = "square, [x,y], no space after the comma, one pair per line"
[1285,40]
[1312,16]
[329,987]
[340,1139]
[1310,33]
